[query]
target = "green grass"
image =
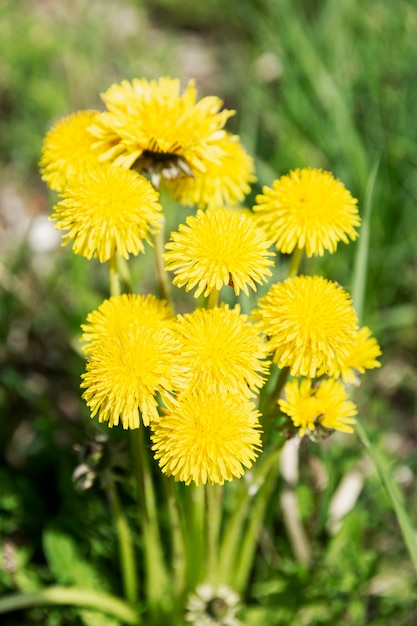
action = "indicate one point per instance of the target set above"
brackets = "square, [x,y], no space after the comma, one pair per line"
[326,84]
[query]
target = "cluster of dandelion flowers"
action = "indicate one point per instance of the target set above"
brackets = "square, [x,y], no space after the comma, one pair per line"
[310,324]
[226,351]
[225,182]
[126,370]
[150,122]
[325,404]
[308,209]
[206,437]
[68,149]
[125,311]
[219,247]
[363,354]
[107,209]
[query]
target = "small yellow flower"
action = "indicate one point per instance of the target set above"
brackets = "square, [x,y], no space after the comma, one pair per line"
[67,149]
[106,210]
[206,437]
[125,311]
[362,355]
[225,181]
[126,370]
[225,352]
[325,404]
[218,247]
[310,323]
[157,128]
[308,209]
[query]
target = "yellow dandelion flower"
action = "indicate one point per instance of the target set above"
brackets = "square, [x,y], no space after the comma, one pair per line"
[225,351]
[157,128]
[108,209]
[218,247]
[123,312]
[67,148]
[362,355]
[126,370]
[325,404]
[225,181]
[310,323]
[206,437]
[308,209]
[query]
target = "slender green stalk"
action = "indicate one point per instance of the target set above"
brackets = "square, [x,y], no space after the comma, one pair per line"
[407,529]
[155,569]
[177,534]
[296,258]
[246,554]
[213,299]
[72,596]
[196,544]
[214,497]
[161,274]
[114,276]
[126,550]
[235,529]
[124,274]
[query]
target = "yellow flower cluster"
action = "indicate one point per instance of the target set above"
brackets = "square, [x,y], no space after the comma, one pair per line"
[195,379]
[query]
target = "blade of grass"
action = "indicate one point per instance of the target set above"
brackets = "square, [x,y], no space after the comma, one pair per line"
[359,289]
[361,260]
[407,529]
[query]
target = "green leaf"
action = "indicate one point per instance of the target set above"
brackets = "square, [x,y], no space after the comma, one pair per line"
[67,564]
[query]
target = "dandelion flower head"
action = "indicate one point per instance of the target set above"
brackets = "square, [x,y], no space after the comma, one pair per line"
[226,351]
[219,247]
[123,312]
[67,149]
[363,354]
[151,123]
[213,606]
[206,437]
[108,209]
[310,323]
[308,209]
[225,182]
[325,404]
[126,370]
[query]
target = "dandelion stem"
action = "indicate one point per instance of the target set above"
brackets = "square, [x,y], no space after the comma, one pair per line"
[156,582]
[213,299]
[178,547]
[162,275]
[114,276]
[213,518]
[296,259]
[126,550]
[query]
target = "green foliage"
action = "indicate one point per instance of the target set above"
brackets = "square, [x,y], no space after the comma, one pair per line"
[326,84]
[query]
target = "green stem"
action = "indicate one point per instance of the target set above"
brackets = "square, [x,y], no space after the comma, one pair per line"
[114,276]
[177,534]
[213,520]
[156,574]
[124,274]
[251,486]
[161,274]
[72,596]
[126,550]
[213,299]
[245,558]
[196,545]
[297,257]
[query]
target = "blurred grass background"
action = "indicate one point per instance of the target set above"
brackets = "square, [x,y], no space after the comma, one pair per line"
[322,83]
